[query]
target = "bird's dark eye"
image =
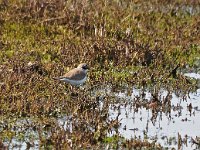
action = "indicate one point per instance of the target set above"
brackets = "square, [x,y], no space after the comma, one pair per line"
[85,67]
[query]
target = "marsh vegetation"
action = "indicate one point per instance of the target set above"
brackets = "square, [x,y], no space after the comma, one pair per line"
[130,46]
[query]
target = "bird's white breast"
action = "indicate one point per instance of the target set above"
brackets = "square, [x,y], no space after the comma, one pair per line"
[74,82]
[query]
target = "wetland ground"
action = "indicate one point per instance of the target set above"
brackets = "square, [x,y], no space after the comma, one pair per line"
[143,88]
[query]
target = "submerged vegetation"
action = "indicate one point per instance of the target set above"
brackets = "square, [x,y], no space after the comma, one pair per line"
[142,44]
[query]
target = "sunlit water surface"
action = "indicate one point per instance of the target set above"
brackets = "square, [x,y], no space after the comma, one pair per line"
[165,128]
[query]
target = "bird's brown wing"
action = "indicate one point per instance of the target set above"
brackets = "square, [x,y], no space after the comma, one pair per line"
[75,74]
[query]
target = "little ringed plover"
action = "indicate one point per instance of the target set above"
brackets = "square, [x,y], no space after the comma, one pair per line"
[76,76]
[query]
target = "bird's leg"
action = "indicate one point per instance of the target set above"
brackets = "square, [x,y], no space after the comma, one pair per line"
[71,88]
[73,92]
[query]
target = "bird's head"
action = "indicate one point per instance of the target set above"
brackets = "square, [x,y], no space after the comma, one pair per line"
[83,66]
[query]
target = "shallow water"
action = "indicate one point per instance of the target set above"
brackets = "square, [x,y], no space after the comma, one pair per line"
[162,127]
[165,126]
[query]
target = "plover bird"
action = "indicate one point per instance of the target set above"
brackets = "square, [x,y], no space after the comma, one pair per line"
[76,76]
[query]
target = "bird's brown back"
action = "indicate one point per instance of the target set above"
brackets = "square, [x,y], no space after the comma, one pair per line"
[75,74]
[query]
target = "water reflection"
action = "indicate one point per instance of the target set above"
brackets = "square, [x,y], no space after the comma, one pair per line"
[172,128]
